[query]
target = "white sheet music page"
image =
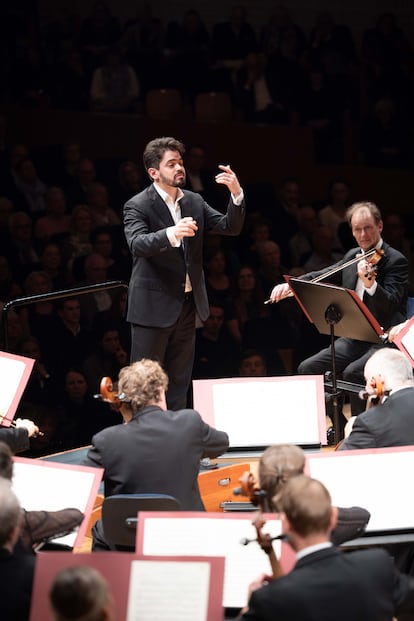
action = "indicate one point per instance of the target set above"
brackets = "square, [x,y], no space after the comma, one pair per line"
[173,591]
[205,536]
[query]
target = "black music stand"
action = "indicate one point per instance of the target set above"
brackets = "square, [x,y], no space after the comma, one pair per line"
[338,312]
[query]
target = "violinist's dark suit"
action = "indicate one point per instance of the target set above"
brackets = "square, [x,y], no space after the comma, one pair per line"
[156,298]
[16,438]
[388,424]
[158,451]
[329,584]
[387,305]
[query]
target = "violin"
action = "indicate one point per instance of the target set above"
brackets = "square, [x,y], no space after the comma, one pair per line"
[375,395]
[108,394]
[249,488]
[372,257]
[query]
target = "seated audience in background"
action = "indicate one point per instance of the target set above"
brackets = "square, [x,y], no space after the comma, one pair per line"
[78,243]
[42,385]
[325,579]
[97,199]
[215,350]
[106,359]
[37,527]
[252,363]
[390,423]
[115,86]
[248,300]
[200,179]
[55,221]
[80,593]
[300,244]
[16,569]
[156,450]
[130,181]
[79,414]
[334,213]
[323,253]
[21,250]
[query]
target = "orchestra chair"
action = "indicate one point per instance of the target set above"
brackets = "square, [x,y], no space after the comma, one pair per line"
[213,107]
[119,515]
[163,104]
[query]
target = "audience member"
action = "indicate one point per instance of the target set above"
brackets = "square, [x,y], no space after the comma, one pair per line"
[104,360]
[130,181]
[80,593]
[215,350]
[252,363]
[115,86]
[248,299]
[178,440]
[92,304]
[308,519]
[323,252]
[300,244]
[80,415]
[31,190]
[77,188]
[104,244]
[200,179]
[334,213]
[98,203]
[21,249]
[99,30]
[77,243]
[56,221]
[42,385]
[389,372]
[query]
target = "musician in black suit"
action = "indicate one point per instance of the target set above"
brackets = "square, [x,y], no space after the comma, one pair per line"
[17,437]
[325,583]
[383,288]
[164,228]
[157,450]
[16,568]
[390,423]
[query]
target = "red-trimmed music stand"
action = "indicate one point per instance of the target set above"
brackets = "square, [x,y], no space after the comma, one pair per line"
[338,312]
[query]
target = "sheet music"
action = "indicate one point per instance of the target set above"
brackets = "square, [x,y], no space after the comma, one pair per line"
[12,369]
[214,537]
[372,480]
[408,340]
[44,488]
[168,590]
[284,410]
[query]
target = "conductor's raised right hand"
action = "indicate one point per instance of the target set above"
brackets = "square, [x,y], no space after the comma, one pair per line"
[280,292]
[186,227]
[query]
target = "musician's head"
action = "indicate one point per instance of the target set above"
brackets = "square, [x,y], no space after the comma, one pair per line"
[389,368]
[81,593]
[277,465]
[143,383]
[307,513]
[366,224]
[10,516]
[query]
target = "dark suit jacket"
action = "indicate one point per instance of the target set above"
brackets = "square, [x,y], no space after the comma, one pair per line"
[16,579]
[329,584]
[157,284]
[157,452]
[390,299]
[388,424]
[16,438]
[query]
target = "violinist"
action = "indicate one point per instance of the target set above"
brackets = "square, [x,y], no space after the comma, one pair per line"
[391,422]
[380,281]
[156,450]
[326,583]
[281,462]
[18,435]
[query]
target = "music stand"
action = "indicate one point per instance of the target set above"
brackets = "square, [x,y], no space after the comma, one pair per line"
[338,312]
